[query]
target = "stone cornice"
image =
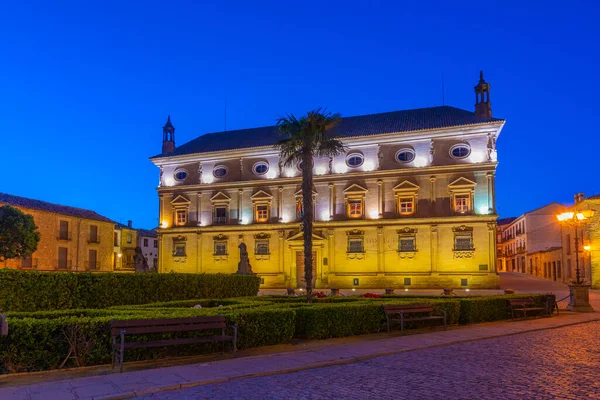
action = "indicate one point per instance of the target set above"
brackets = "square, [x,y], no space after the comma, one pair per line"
[333,178]
[394,137]
[346,224]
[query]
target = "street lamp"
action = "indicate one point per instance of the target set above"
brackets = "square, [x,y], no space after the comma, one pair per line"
[575,219]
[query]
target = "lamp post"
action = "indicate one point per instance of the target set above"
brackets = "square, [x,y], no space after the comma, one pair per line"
[579,292]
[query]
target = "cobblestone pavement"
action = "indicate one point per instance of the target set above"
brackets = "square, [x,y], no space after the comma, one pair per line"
[561,363]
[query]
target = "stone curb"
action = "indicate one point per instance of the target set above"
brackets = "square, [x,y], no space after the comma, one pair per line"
[350,360]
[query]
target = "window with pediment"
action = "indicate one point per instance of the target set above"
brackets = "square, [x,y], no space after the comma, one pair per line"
[181,209]
[356,241]
[407,240]
[462,194]
[406,194]
[220,245]
[261,244]
[179,246]
[220,208]
[463,241]
[355,201]
[261,202]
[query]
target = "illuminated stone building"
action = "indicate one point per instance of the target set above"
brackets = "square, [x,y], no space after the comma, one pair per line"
[71,239]
[410,204]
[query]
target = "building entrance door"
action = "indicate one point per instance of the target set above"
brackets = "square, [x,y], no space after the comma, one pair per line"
[300,282]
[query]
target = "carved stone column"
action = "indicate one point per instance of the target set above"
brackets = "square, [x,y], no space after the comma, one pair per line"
[380,251]
[199,253]
[280,250]
[380,198]
[432,198]
[280,203]
[434,242]
[199,209]
[240,214]
[161,254]
[491,192]
[492,246]
[160,209]
[331,201]
[330,251]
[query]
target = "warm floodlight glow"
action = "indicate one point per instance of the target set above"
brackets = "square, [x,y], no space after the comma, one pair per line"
[565,216]
[406,289]
[483,210]
[354,289]
[164,224]
[245,221]
[420,162]
[477,156]
[320,170]
[119,255]
[208,178]
[289,172]
[467,290]
[374,214]
[368,166]
[340,168]
[271,174]
[587,247]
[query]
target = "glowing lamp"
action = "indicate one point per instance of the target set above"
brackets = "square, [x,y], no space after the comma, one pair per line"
[467,290]
[208,178]
[119,255]
[406,289]
[354,289]
[587,247]
[565,216]
[368,166]
[245,221]
[271,174]
[374,214]
[320,170]
[483,210]
[164,224]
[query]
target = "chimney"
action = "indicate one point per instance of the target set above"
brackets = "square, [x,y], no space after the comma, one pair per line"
[129,223]
[168,144]
[483,105]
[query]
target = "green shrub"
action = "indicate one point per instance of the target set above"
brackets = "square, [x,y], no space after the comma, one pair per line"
[479,309]
[34,290]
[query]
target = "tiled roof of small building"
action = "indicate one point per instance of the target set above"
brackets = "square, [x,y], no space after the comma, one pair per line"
[505,221]
[147,233]
[31,204]
[362,125]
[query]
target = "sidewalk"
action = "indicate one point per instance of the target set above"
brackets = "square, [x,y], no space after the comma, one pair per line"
[131,384]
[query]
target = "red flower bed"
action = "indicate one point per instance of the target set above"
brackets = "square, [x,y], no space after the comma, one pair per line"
[371,296]
[319,294]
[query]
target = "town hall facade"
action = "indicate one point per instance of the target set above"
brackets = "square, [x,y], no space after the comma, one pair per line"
[411,204]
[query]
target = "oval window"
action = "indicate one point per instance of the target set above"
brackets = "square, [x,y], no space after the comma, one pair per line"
[180,174]
[460,151]
[299,166]
[260,168]
[355,160]
[405,155]
[220,171]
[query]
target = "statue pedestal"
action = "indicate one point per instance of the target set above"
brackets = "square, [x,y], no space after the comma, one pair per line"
[580,298]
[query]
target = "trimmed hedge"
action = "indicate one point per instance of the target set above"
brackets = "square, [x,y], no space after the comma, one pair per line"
[34,290]
[39,340]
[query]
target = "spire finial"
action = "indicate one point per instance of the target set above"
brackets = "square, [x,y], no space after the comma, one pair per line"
[481,77]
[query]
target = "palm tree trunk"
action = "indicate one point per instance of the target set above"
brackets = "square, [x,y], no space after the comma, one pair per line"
[307,219]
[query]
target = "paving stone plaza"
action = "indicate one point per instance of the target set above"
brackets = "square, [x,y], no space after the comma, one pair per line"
[558,363]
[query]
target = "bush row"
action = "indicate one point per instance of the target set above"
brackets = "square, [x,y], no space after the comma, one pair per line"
[34,290]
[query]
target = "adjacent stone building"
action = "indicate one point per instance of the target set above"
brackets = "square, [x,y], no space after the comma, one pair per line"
[524,237]
[502,223]
[410,204]
[125,241]
[148,242]
[71,239]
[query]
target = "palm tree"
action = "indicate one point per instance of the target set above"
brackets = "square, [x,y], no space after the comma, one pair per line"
[305,138]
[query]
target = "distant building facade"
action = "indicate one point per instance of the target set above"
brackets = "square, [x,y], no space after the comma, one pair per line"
[126,239]
[527,240]
[148,242]
[71,239]
[502,223]
[410,204]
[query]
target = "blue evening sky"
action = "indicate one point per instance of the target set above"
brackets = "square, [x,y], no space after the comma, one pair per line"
[86,86]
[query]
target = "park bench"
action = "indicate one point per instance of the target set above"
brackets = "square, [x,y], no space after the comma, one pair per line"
[411,312]
[122,329]
[523,306]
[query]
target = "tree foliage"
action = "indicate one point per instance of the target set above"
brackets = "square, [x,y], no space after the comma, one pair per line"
[308,137]
[19,236]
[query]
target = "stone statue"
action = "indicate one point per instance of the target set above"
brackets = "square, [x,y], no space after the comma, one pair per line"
[199,172]
[431,152]
[141,265]
[244,264]
[491,148]
[330,165]
[160,178]
[379,158]
[280,165]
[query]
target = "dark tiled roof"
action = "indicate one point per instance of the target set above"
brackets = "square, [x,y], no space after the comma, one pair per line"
[594,197]
[505,221]
[363,125]
[32,204]
[147,233]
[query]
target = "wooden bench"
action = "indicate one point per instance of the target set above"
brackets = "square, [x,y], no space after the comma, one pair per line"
[121,329]
[524,305]
[411,312]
